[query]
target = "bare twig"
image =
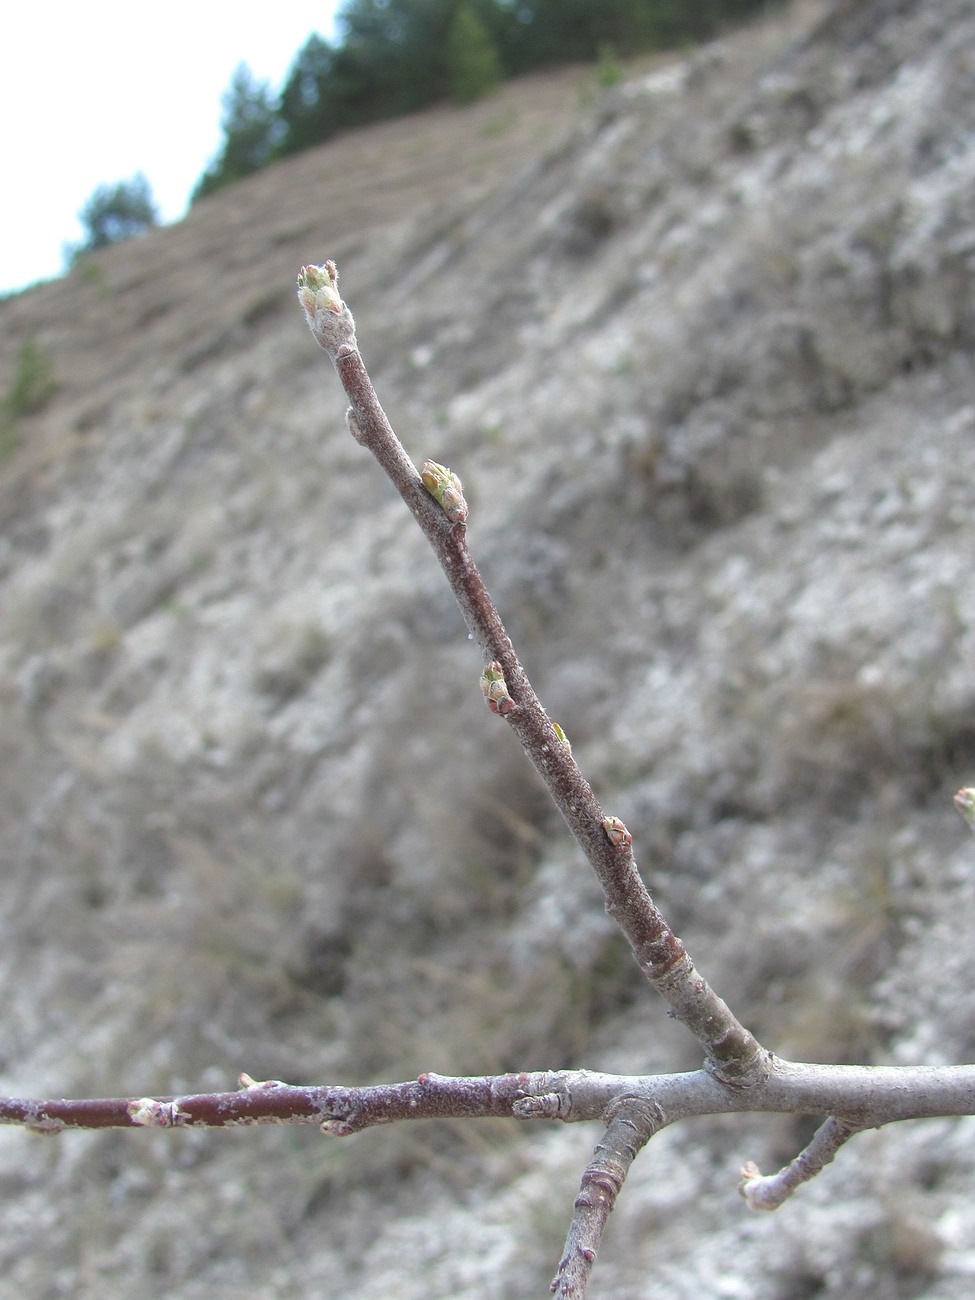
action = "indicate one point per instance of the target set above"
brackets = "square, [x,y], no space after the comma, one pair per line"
[739,1074]
[866,1096]
[770,1191]
[733,1054]
[340,1111]
[632,1121]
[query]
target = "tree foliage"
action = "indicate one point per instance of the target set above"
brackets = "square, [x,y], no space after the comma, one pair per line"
[252,130]
[473,65]
[398,56]
[113,213]
[398,48]
[307,106]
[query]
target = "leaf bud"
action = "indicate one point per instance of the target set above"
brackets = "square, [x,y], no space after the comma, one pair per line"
[616,833]
[495,689]
[562,736]
[445,488]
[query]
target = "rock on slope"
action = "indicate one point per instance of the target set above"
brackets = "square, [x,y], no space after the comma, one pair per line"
[701,350]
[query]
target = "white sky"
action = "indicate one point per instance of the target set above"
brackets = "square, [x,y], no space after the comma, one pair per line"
[91,93]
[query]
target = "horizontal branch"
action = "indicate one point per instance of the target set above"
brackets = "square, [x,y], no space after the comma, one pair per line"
[865,1096]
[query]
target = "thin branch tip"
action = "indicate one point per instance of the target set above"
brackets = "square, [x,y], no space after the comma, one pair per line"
[753,1188]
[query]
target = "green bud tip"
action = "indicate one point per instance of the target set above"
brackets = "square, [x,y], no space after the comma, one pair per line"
[495,689]
[327,315]
[446,489]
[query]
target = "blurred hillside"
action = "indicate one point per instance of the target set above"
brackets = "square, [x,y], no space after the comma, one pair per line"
[701,349]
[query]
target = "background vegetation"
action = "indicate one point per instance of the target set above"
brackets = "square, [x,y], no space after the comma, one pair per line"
[702,352]
[397,56]
[115,212]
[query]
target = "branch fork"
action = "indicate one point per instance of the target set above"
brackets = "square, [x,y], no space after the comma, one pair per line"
[738,1074]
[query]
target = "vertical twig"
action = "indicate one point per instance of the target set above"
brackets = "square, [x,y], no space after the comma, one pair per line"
[632,1121]
[733,1055]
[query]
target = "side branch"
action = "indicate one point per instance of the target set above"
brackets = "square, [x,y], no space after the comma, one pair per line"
[773,1190]
[633,1121]
[733,1054]
[340,1111]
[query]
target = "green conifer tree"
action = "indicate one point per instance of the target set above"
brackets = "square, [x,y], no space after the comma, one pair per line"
[473,66]
[113,213]
[252,130]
